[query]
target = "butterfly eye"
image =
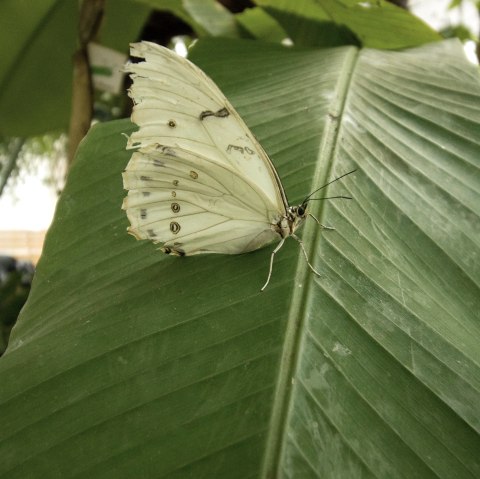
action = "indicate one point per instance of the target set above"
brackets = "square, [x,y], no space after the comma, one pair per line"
[301,211]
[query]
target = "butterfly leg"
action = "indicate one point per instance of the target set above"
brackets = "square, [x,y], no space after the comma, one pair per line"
[305,254]
[271,262]
[318,222]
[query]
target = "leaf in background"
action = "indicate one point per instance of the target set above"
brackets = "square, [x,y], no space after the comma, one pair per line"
[37,43]
[261,25]
[122,23]
[213,16]
[205,17]
[377,24]
[307,24]
[127,363]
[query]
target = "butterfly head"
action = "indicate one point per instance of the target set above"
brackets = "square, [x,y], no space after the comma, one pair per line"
[296,216]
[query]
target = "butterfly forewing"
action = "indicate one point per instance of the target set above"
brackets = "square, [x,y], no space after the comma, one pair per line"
[177,105]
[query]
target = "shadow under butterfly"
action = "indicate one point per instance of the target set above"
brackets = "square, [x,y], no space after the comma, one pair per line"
[199,182]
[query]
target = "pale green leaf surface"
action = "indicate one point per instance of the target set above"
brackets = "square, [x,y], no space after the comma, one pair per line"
[387,380]
[128,363]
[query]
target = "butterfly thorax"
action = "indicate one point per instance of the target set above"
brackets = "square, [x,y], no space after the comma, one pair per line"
[288,223]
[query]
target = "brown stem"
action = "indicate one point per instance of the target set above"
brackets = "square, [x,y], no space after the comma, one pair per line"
[91,13]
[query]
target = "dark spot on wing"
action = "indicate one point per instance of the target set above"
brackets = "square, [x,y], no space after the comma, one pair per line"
[174,227]
[222,113]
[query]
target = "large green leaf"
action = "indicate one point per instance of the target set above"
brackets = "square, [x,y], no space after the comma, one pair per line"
[127,363]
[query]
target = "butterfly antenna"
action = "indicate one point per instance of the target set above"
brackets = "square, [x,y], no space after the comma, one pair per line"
[307,199]
[342,197]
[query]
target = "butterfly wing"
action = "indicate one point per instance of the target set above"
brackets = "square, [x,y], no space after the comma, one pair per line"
[193,205]
[186,124]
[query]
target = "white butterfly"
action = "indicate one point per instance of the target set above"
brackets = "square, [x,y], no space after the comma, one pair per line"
[199,181]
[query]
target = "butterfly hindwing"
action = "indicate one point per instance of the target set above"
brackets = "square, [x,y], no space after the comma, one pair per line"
[193,205]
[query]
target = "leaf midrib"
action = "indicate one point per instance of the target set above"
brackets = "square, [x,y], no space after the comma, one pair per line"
[295,323]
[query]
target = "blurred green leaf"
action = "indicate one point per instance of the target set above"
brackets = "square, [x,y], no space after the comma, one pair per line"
[205,17]
[213,16]
[461,32]
[454,4]
[127,363]
[122,23]
[375,24]
[307,24]
[260,25]
[177,8]
[37,43]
